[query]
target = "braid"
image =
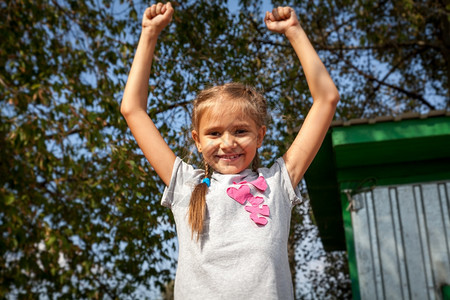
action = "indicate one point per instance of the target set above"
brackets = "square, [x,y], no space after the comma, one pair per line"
[197,204]
[208,170]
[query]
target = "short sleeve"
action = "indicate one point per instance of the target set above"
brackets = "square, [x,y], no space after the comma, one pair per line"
[285,182]
[184,177]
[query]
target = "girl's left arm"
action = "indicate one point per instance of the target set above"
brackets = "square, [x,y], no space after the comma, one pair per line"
[323,91]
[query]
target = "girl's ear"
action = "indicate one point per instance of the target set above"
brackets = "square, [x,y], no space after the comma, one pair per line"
[196,139]
[261,133]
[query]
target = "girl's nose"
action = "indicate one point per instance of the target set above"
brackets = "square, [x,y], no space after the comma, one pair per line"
[227,141]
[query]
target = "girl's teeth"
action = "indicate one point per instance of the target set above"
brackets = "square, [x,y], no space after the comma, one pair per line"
[231,156]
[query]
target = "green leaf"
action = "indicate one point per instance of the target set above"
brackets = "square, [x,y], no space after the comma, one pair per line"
[9,199]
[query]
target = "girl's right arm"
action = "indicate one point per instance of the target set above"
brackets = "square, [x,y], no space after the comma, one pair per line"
[323,91]
[134,102]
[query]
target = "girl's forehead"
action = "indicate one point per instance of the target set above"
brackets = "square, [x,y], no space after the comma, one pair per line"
[217,112]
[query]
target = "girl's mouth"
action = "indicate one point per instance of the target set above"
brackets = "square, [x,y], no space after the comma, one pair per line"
[229,156]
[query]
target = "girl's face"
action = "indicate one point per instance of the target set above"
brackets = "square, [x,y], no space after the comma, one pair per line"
[228,140]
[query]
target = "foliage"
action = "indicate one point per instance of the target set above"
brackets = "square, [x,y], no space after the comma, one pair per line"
[78,210]
[318,274]
[79,205]
[387,56]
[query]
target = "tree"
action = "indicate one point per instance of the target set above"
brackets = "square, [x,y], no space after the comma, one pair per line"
[77,211]
[79,205]
[389,56]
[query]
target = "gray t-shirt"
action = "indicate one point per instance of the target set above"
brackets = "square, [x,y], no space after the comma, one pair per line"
[242,253]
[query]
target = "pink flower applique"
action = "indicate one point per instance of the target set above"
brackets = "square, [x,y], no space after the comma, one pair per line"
[243,195]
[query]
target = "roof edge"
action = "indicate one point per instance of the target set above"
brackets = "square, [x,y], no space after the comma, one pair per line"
[382,119]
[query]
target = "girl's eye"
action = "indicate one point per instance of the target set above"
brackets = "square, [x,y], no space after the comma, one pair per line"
[214,133]
[241,131]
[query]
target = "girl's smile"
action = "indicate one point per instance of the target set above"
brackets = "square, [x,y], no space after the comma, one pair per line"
[230,157]
[228,140]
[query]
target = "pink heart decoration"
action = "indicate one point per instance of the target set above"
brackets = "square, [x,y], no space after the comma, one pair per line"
[255,210]
[259,183]
[240,195]
[256,201]
[263,210]
[243,194]
[258,220]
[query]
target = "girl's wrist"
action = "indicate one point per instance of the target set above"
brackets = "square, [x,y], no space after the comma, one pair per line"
[293,32]
[149,33]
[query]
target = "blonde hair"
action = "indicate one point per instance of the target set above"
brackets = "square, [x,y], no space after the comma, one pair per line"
[238,97]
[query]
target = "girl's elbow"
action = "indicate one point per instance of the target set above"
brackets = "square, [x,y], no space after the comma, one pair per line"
[333,98]
[336,99]
[330,97]
[125,109]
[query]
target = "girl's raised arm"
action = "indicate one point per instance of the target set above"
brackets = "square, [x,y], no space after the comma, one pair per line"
[134,102]
[325,94]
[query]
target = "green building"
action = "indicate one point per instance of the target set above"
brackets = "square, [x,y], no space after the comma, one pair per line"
[380,189]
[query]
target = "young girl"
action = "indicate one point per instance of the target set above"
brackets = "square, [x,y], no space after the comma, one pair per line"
[232,218]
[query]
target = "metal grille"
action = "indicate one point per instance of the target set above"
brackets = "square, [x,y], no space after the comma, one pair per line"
[402,241]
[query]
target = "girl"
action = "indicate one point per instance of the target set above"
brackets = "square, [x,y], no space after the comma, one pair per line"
[232,221]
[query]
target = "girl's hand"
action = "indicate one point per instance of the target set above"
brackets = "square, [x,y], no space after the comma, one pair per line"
[281,20]
[156,17]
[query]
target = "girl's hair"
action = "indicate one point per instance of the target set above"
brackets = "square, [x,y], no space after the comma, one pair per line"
[238,97]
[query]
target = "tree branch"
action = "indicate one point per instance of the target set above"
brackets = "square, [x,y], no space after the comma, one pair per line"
[164,108]
[411,94]
[385,46]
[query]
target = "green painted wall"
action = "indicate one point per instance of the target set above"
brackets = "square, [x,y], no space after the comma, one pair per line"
[368,155]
